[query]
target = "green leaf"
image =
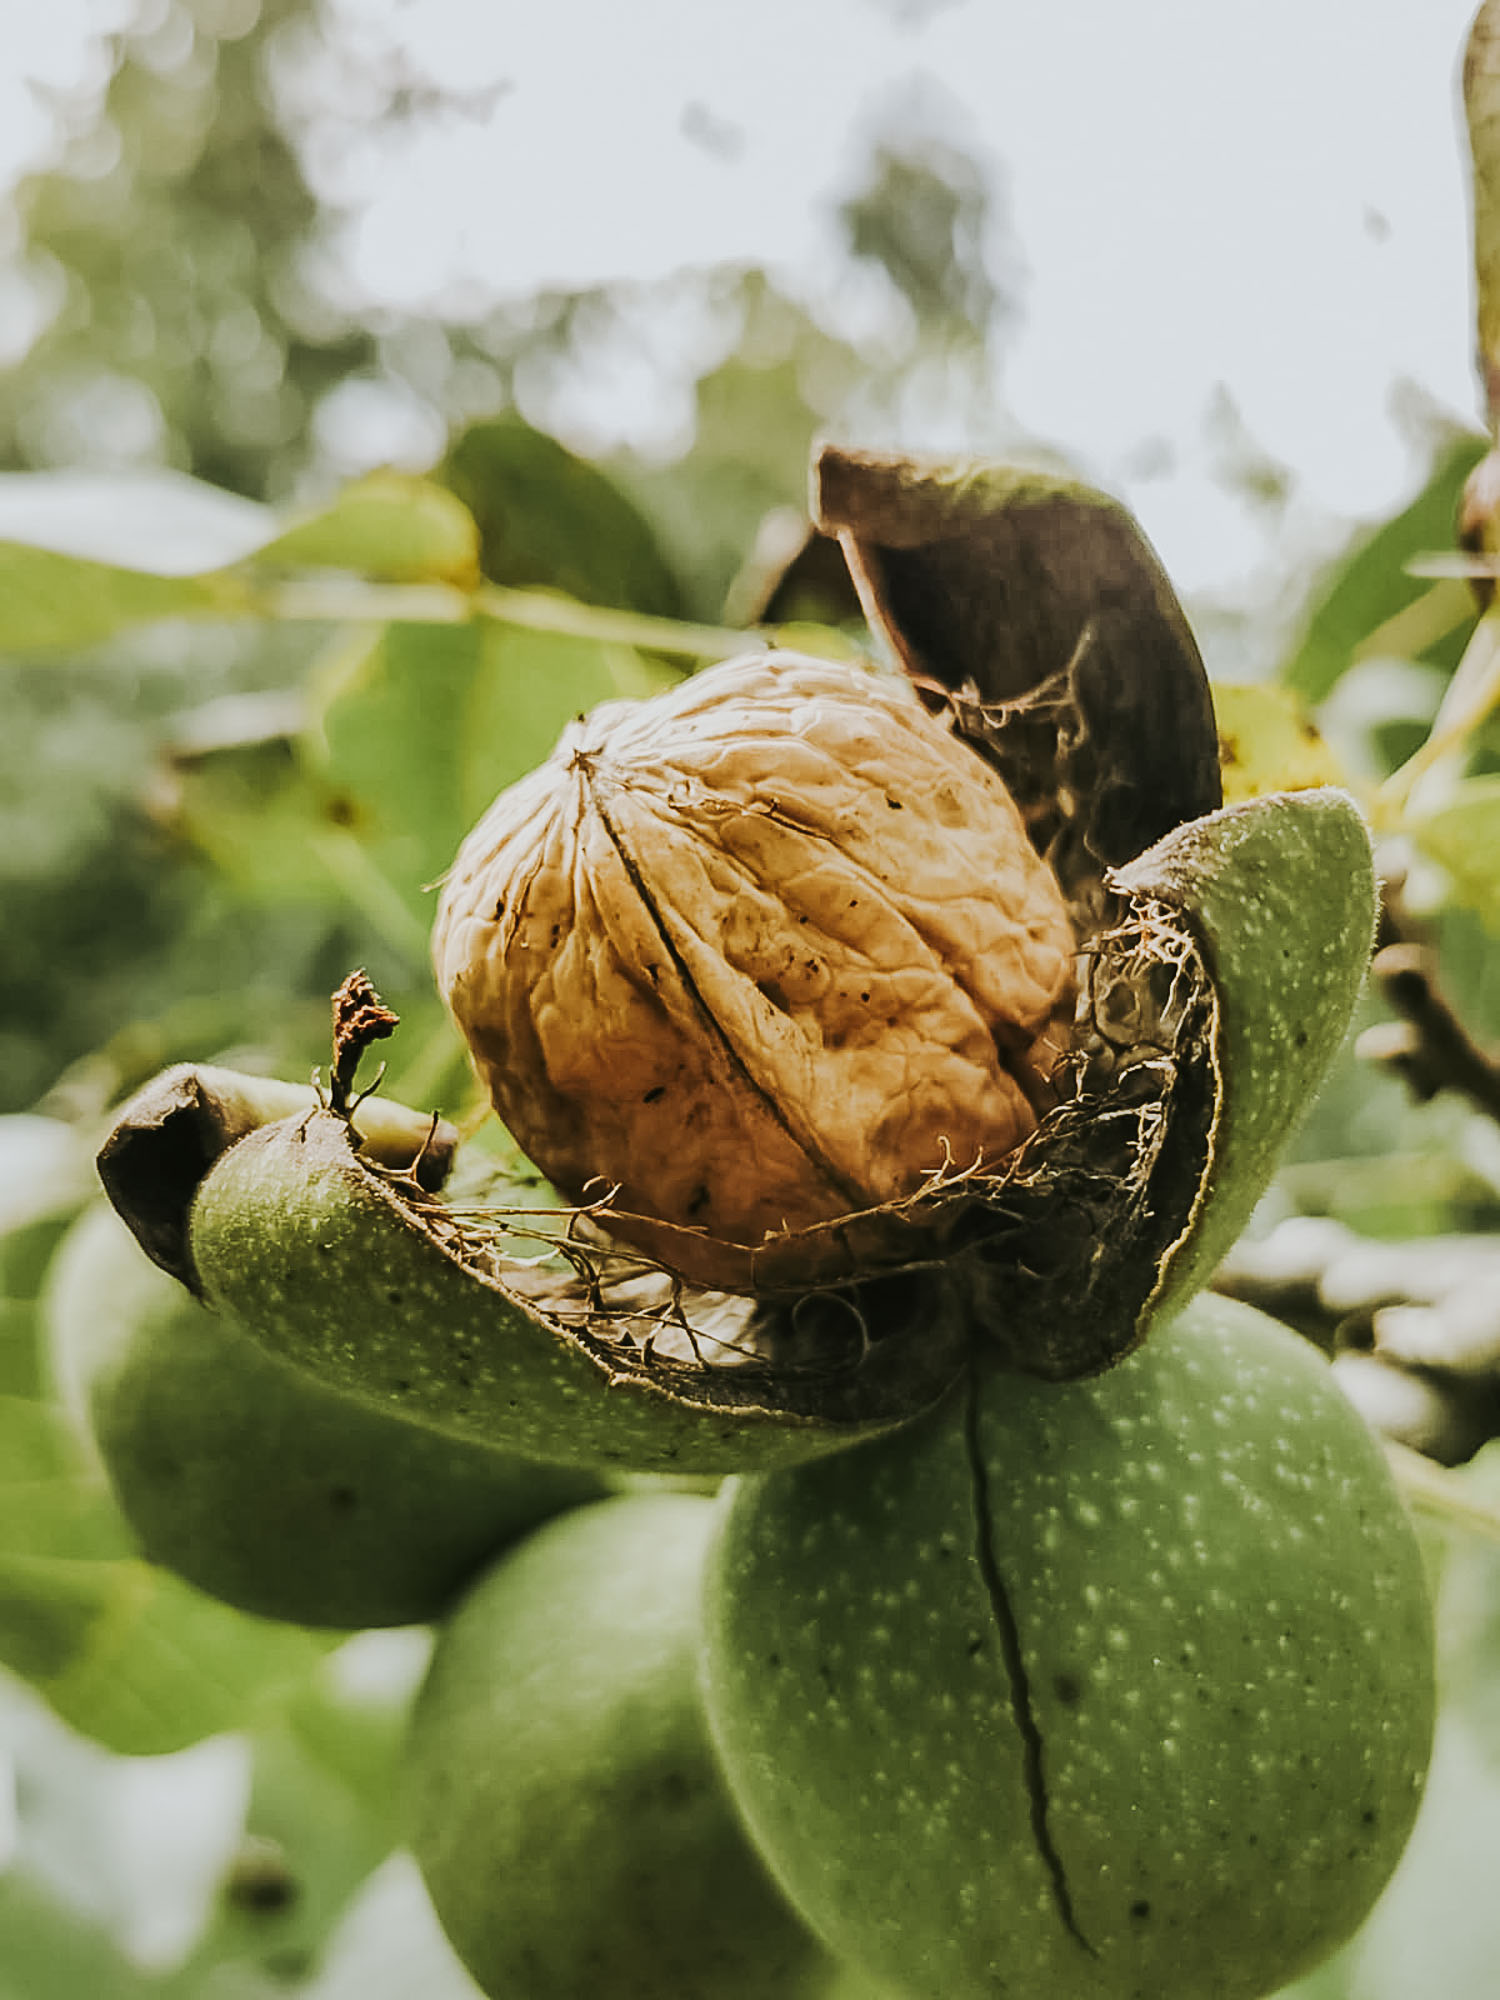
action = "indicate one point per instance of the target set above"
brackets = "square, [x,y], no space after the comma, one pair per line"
[282,837]
[422,725]
[389,742]
[53,602]
[1463,837]
[45,1171]
[153,1665]
[549,518]
[351,1714]
[19,1375]
[1268,742]
[52,1500]
[120,1650]
[310,1841]
[1371,588]
[48,1951]
[530,686]
[388,526]
[157,520]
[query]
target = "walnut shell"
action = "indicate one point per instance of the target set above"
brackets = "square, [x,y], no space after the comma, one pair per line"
[761,953]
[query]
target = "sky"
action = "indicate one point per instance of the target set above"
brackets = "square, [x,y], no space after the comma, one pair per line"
[1258,209]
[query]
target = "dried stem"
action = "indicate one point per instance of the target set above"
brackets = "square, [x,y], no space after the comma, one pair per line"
[360,1017]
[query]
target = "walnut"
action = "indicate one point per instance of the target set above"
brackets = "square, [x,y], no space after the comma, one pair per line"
[762,953]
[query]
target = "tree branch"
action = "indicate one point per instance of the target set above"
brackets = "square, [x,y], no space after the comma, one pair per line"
[1428,1046]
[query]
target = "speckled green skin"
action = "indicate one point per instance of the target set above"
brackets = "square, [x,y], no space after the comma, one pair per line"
[562,1799]
[1280,894]
[1190,1579]
[292,1233]
[259,1485]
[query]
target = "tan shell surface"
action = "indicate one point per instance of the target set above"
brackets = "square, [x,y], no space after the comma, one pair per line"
[766,950]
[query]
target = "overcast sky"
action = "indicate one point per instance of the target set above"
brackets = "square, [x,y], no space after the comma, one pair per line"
[1267,198]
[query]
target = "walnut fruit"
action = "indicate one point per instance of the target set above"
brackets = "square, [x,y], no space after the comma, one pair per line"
[760,954]
[1091,1691]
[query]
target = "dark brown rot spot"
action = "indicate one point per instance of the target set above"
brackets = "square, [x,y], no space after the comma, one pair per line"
[655,1096]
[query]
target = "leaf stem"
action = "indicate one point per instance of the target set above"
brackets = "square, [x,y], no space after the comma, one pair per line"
[1443,1494]
[1472,693]
[349,600]
[345,600]
[542,611]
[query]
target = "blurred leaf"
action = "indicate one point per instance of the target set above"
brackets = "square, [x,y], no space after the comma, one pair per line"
[20,1374]
[1463,836]
[45,1170]
[282,837]
[351,1714]
[52,602]
[531,686]
[310,1841]
[52,1500]
[422,725]
[388,526]
[1370,587]
[391,736]
[156,520]
[121,1650]
[1482,107]
[1394,1194]
[49,1952]
[254,812]
[547,517]
[1268,742]
[159,1666]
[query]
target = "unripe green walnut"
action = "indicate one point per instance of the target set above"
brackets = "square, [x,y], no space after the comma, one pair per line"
[768,950]
[562,1799]
[255,1482]
[1114,1690]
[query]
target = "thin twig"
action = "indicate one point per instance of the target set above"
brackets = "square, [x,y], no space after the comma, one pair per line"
[1428,1046]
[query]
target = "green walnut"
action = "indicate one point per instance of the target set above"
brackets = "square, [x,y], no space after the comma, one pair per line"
[562,1799]
[1107,1690]
[254,1482]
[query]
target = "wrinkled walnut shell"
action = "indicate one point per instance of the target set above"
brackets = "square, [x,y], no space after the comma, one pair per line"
[765,953]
